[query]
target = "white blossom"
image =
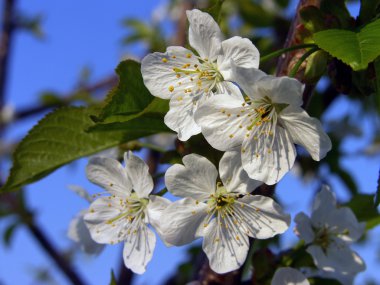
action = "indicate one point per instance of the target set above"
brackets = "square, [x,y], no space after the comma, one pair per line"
[77,231]
[264,125]
[223,213]
[328,234]
[187,79]
[124,214]
[289,276]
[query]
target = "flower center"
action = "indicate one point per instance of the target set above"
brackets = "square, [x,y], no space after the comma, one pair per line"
[132,213]
[203,75]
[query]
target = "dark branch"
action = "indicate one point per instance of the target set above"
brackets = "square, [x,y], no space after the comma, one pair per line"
[5,45]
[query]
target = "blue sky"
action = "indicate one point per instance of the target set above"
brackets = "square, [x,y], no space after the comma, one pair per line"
[87,34]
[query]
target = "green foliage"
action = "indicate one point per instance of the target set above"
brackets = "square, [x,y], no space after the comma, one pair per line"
[255,14]
[113,280]
[368,10]
[130,105]
[129,112]
[57,139]
[362,206]
[214,9]
[355,49]
[377,85]
[377,195]
[148,33]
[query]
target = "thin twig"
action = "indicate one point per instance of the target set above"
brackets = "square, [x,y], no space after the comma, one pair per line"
[5,45]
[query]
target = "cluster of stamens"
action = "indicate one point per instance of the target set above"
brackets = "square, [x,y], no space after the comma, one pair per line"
[236,217]
[132,214]
[194,77]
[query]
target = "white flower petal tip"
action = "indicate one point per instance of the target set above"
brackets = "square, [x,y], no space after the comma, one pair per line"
[79,233]
[264,125]
[329,232]
[289,276]
[188,79]
[123,216]
[224,214]
[138,173]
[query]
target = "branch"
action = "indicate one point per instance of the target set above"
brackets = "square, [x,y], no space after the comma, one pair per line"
[105,83]
[5,45]
[59,260]
[287,61]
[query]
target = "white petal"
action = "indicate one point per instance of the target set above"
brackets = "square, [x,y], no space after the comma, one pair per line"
[306,131]
[195,179]
[263,217]
[226,87]
[289,276]
[79,233]
[183,221]
[338,258]
[138,172]
[159,76]
[242,51]
[225,249]
[204,34]
[304,228]
[180,117]
[266,162]
[343,221]
[138,250]
[223,121]
[233,176]
[155,209]
[281,90]
[98,217]
[81,192]
[109,174]
[324,203]
[246,78]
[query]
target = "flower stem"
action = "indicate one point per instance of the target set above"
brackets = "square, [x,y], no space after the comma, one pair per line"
[284,50]
[294,70]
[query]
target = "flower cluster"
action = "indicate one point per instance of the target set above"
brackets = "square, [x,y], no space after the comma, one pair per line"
[256,119]
[328,234]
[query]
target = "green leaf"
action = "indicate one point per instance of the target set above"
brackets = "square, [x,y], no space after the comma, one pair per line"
[130,96]
[130,104]
[8,233]
[58,139]
[214,9]
[362,206]
[355,49]
[377,84]
[377,195]
[113,279]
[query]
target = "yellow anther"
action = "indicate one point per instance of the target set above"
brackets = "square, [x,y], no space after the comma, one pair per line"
[171,88]
[178,75]
[92,210]
[189,55]
[231,136]
[237,238]
[238,115]
[173,56]
[180,98]
[240,126]
[205,225]
[228,115]
[193,212]
[164,59]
